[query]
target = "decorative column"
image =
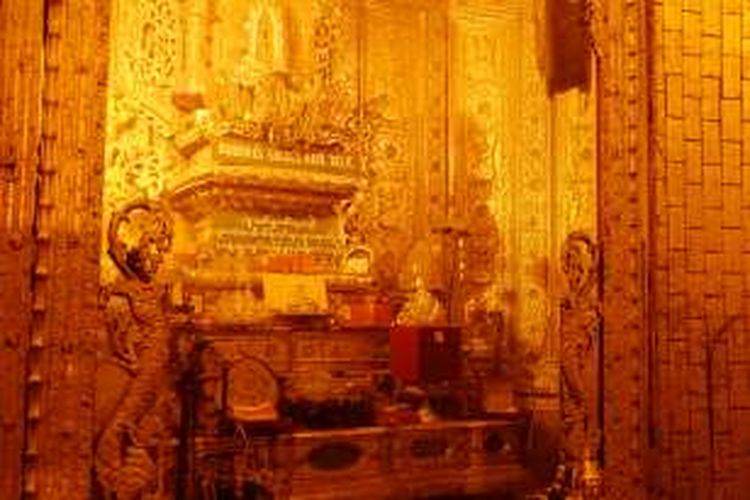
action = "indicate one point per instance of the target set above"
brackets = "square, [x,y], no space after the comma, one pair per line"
[21,77]
[62,360]
[622,42]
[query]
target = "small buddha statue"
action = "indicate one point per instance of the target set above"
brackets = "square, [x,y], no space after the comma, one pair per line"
[422,308]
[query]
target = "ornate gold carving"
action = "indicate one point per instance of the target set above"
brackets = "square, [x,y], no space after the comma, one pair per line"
[140,260]
[248,194]
[153,60]
[142,66]
[505,171]
[270,100]
[534,196]
[266,39]
[281,127]
[481,249]
[299,116]
[575,160]
[79,26]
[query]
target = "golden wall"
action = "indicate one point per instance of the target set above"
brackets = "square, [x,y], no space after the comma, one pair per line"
[701,96]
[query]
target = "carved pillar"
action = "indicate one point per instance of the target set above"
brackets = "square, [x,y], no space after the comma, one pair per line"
[624,225]
[21,25]
[62,361]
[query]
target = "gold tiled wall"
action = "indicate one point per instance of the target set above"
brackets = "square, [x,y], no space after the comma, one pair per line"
[701,152]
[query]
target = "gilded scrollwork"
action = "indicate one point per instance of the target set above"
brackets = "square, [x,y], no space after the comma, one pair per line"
[506,162]
[485,174]
[153,60]
[140,127]
[299,116]
[268,98]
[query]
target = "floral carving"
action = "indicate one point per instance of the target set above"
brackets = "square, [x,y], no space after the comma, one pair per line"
[303,117]
[138,148]
[153,58]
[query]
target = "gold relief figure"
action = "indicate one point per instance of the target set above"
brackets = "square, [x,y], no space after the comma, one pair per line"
[137,422]
[579,330]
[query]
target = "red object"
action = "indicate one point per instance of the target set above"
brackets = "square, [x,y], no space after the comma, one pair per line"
[425,354]
[369,310]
